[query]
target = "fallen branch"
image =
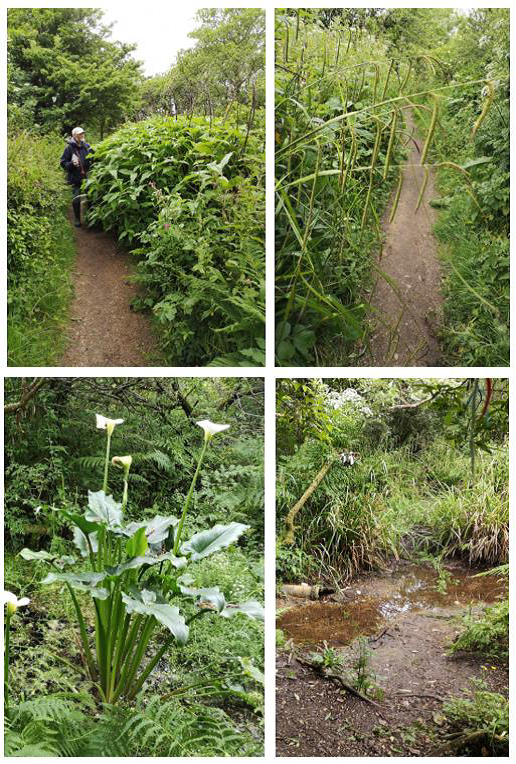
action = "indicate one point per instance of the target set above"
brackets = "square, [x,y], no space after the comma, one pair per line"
[416,695]
[460,740]
[26,396]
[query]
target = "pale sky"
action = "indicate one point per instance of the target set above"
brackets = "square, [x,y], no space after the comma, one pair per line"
[159,32]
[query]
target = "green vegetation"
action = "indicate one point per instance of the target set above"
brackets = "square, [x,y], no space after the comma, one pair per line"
[187,194]
[196,696]
[346,79]
[428,484]
[473,225]
[427,476]
[477,722]
[190,195]
[41,251]
[488,634]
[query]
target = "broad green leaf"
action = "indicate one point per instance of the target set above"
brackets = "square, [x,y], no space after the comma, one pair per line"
[103,509]
[149,560]
[28,554]
[251,670]
[213,540]
[252,609]
[212,596]
[84,525]
[90,579]
[137,544]
[145,603]
[43,556]
[79,539]
[83,582]
[156,530]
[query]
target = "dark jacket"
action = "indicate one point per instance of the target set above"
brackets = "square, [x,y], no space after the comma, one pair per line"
[83,151]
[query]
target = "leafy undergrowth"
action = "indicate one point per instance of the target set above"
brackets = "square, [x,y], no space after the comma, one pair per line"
[190,196]
[52,712]
[394,506]
[478,725]
[487,634]
[41,249]
[473,224]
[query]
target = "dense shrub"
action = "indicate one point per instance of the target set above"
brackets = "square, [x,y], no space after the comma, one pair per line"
[190,194]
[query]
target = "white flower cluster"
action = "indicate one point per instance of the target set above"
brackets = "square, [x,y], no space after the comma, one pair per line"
[336,400]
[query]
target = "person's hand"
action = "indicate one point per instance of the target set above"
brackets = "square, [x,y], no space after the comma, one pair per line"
[75,160]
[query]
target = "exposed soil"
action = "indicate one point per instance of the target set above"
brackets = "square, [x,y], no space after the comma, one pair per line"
[103,329]
[409,624]
[407,315]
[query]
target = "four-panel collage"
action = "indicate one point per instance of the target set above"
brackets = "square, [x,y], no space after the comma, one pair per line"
[233,527]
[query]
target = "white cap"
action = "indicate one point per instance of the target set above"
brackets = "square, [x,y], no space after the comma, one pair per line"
[77,131]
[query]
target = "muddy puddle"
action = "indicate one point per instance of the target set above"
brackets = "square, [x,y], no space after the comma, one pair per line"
[373,601]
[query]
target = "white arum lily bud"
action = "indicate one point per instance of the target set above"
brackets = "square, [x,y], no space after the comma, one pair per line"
[104,423]
[13,603]
[211,429]
[124,462]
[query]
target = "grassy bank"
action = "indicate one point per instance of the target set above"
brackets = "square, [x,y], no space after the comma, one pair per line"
[41,250]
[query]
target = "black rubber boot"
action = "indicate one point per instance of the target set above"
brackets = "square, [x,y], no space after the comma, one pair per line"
[76,204]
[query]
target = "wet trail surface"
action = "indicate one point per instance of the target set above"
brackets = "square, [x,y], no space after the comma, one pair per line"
[409,623]
[103,330]
[406,315]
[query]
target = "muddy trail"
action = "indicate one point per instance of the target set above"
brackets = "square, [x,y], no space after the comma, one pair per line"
[409,620]
[103,329]
[407,304]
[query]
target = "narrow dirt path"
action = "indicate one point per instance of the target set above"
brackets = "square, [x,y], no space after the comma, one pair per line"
[103,329]
[405,317]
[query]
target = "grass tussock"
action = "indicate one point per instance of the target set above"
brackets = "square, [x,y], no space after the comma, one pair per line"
[393,506]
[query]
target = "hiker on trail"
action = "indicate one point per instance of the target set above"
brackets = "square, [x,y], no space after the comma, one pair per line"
[76,160]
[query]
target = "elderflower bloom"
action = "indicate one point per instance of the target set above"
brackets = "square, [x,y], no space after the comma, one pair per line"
[211,429]
[13,603]
[124,462]
[104,423]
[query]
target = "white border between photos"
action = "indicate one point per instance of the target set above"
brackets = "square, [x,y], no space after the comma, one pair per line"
[270,373]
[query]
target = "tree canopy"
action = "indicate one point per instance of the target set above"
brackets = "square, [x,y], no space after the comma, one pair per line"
[226,65]
[63,70]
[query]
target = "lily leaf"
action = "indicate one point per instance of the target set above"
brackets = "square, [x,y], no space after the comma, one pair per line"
[103,509]
[137,544]
[84,525]
[79,539]
[82,582]
[156,530]
[250,670]
[213,540]
[138,562]
[252,609]
[211,596]
[43,556]
[88,579]
[145,603]
[28,554]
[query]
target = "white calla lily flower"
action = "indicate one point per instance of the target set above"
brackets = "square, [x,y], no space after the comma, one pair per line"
[124,462]
[211,429]
[13,603]
[104,423]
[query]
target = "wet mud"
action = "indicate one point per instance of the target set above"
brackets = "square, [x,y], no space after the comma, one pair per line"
[374,600]
[410,620]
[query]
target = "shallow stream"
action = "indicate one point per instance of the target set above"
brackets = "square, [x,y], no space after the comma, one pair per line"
[375,600]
